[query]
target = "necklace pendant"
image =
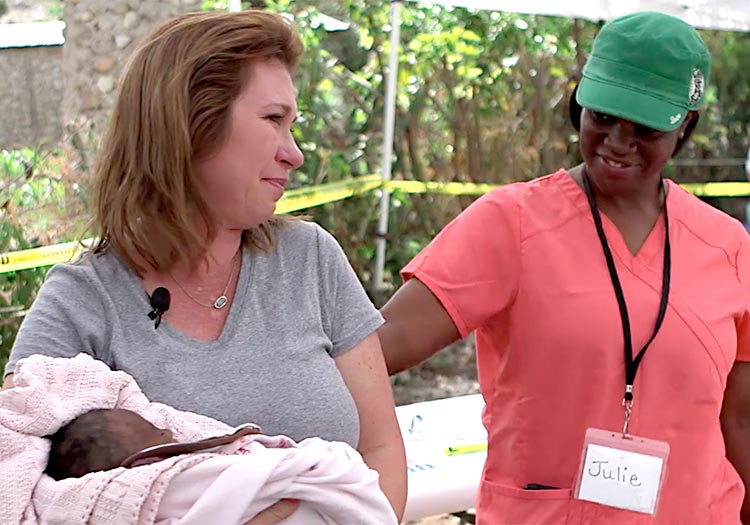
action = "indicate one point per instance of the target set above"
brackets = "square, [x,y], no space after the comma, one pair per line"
[220,302]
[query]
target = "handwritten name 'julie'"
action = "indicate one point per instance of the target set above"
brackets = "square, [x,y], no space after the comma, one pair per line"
[600,469]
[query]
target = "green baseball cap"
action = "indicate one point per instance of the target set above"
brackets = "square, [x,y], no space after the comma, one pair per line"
[646,67]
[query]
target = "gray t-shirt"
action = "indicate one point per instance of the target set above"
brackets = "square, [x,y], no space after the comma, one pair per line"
[294,310]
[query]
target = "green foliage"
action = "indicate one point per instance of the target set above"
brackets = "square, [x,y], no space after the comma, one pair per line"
[482,97]
[40,203]
[223,5]
[730,81]
[214,5]
[55,10]
[723,131]
[18,289]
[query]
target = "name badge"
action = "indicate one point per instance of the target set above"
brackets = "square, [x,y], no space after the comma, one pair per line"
[625,472]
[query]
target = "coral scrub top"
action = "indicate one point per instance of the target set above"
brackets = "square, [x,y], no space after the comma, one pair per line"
[523,268]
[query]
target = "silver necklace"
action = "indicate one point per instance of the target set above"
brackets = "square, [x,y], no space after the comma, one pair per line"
[220,301]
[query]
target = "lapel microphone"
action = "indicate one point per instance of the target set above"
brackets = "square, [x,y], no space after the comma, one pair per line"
[159,301]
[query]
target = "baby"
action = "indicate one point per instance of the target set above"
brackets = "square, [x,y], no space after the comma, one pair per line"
[101,439]
[323,476]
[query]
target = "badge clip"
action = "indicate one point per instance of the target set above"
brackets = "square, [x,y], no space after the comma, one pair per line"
[627,402]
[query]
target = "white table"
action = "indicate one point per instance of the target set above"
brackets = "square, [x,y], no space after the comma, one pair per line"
[440,483]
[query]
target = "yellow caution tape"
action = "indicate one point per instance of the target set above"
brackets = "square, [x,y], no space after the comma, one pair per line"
[459,450]
[36,257]
[303,198]
[701,189]
[447,188]
[718,189]
[293,200]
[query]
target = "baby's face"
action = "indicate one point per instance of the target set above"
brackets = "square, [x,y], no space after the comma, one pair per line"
[136,432]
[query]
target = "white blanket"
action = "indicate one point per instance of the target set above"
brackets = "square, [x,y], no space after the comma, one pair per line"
[329,478]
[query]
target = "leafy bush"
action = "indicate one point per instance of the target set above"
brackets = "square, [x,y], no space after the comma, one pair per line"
[41,203]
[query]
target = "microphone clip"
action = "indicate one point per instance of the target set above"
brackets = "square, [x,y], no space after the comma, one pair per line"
[159,301]
[155,316]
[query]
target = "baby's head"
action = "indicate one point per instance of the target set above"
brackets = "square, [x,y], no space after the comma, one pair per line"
[100,440]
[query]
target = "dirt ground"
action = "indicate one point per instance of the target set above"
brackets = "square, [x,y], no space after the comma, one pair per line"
[452,372]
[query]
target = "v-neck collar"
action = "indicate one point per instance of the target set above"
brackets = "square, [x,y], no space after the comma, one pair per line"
[231,322]
[654,243]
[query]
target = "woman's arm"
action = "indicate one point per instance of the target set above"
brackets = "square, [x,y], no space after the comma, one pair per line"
[735,424]
[8,382]
[380,441]
[416,326]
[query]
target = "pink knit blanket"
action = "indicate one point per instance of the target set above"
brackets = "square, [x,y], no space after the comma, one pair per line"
[229,486]
[50,392]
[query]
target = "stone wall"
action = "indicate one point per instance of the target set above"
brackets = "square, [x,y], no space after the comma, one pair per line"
[48,92]
[99,37]
[31,95]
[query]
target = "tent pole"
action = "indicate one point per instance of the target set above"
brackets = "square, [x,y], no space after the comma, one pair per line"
[387,153]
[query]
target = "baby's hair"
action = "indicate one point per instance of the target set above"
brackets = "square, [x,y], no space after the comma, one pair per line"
[86,444]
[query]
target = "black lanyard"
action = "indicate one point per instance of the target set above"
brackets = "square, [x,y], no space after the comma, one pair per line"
[631,365]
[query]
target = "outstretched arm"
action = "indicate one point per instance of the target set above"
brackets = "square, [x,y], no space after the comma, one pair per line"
[416,327]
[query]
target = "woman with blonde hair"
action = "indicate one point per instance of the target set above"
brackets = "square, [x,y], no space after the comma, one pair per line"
[213,304]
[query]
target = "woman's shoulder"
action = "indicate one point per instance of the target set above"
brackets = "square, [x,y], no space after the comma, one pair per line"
[296,228]
[707,223]
[301,235]
[78,290]
[540,192]
[539,204]
[88,268]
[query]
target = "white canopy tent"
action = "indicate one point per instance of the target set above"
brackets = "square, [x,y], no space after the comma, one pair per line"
[732,15]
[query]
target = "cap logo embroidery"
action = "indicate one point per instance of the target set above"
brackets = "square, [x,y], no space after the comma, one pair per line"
[697,84]
[674,119]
